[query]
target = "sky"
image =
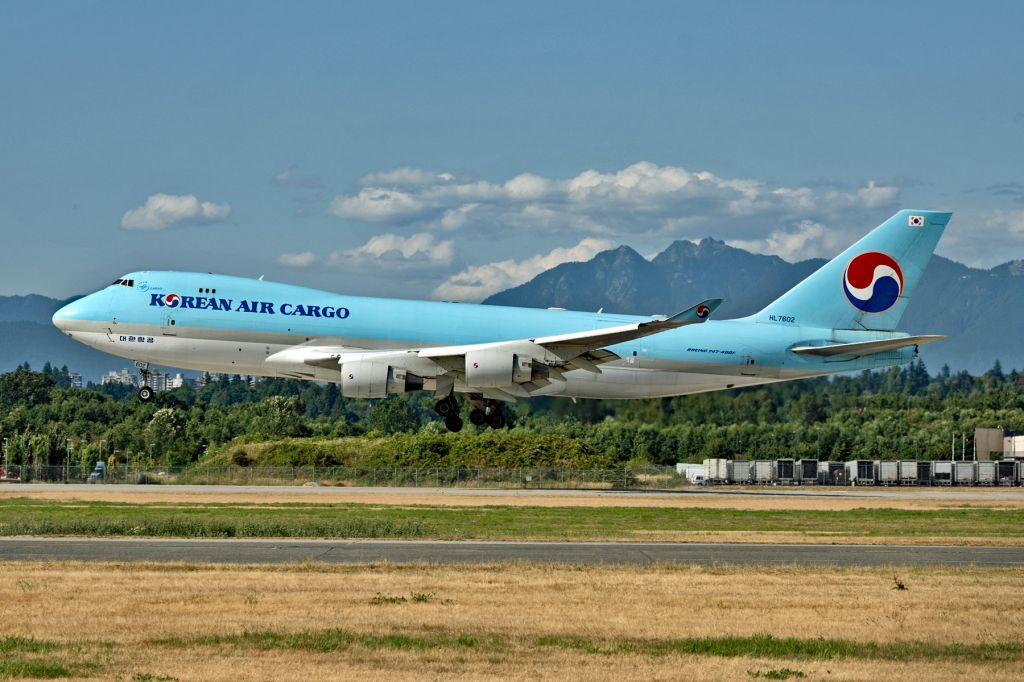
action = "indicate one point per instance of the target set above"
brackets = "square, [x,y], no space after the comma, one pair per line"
[450,150]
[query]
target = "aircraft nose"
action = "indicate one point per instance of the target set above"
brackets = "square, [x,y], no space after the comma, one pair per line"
[61,318]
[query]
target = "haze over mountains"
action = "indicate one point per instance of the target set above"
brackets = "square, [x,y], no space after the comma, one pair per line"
[980,311]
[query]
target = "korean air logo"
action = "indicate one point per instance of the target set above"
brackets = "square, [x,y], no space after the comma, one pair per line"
[172,300]
[703,311]
[873,282]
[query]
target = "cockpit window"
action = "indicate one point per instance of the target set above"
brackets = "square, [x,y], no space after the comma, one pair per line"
[123,283]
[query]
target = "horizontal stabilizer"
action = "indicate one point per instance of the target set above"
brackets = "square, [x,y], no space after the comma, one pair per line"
[865,347]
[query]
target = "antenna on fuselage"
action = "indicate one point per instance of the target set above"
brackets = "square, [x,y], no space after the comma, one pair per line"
[260,278]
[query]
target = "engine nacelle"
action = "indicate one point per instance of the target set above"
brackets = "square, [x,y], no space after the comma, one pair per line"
[497,368]
[369,379]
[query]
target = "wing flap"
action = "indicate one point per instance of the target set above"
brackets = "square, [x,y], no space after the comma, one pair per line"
[566,347]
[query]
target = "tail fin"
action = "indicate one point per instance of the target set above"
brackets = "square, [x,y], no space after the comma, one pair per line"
[869,285]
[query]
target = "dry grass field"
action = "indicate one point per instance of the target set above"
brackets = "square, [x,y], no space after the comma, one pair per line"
[304,622]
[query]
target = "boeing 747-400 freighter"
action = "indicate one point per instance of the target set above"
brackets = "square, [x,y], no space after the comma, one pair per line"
[841,318]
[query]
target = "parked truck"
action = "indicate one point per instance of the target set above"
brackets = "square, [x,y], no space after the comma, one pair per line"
[942,473]
[963,473]
[908,472]
[740,471]
[860,472]
[985,473]
[762,471]
[807,471]
[784,470]
[887,472]
[716,471]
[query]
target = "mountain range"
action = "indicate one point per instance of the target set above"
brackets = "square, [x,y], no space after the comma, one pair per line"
[979,310]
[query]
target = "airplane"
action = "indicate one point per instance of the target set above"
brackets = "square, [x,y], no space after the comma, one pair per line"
[841,318]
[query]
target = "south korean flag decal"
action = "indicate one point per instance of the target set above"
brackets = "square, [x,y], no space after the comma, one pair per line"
[915,221]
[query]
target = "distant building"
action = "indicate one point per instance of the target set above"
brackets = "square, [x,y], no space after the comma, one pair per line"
[1009,444]
[125,377]
[157,380]
[177,381]
[75,379]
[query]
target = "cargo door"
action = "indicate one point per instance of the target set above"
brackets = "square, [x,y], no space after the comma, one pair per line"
[169,326]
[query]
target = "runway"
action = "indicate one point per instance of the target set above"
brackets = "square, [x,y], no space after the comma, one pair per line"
[373,551]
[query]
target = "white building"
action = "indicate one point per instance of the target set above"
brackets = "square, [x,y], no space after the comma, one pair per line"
[125,377]
[76,379]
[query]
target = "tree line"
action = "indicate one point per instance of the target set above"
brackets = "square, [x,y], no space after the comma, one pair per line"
[896,413]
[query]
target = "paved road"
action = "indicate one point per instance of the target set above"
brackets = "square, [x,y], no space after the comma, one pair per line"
[368,551]
[951,494]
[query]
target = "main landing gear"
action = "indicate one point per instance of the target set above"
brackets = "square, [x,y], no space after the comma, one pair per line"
[448,408]
[488,415]
[145,392]
[484,413]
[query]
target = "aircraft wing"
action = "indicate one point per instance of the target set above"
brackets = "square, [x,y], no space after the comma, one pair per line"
[583,349]
[560,353]
[865,347]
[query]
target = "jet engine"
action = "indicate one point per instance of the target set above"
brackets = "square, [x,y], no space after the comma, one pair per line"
[370,379]
[497,368]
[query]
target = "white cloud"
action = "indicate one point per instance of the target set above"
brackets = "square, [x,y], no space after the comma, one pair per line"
[297,260]
[806,240]
[480,281]
[396,252]
[984,238]
[641,200]
[293,177]
[400,177]
[164,210]
[379,206]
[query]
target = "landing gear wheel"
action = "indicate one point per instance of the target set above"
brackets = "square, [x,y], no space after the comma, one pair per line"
[478,417]
[496,420]
[453,423]
[446,406]
[145,394]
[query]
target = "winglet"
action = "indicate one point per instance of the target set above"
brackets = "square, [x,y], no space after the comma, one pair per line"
[698,313]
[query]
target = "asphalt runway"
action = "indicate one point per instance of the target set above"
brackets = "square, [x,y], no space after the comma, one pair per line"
[375,551]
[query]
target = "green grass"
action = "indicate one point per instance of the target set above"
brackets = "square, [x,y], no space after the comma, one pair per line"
[14,668]
[754,646]
[19,658]
[44,517]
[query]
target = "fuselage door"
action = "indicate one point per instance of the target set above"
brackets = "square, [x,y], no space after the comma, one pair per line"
[169,327]
[750,367]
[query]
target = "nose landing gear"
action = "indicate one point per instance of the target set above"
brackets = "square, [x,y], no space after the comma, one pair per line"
[145,392]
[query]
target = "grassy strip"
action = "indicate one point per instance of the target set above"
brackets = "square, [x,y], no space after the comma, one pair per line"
[13,664]
[26,645]
[754,646]
[46,517]
[13,668]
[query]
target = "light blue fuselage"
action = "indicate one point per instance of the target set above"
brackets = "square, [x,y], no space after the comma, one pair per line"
[228,324]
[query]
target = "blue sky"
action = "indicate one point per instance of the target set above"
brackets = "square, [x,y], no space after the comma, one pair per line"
[449,149]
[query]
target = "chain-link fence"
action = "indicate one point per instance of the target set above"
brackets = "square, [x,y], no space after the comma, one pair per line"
[467,477]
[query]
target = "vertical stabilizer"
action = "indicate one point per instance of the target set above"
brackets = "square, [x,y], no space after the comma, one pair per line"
[869,285]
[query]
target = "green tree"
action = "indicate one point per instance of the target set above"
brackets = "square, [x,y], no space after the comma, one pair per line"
[280,417]
[24,387]
[393,415]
